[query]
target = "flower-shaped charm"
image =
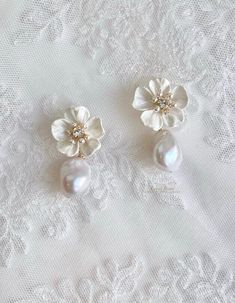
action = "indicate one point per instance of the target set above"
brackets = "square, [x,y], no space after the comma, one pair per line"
[77,134]
[161,106]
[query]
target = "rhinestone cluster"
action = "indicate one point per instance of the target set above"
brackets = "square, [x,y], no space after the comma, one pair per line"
[164,103]
[77,133]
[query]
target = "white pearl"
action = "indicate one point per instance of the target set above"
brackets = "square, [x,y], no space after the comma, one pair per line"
[167,153]
[75,176]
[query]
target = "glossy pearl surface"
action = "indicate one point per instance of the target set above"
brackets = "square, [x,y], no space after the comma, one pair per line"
[167,154]
[75,176]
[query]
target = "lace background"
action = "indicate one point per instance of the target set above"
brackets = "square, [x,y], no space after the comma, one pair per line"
[138,234]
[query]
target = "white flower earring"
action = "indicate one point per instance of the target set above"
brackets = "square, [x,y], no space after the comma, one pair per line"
[163,108]
[78,136]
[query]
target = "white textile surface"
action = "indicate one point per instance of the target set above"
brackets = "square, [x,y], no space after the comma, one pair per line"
[138,234]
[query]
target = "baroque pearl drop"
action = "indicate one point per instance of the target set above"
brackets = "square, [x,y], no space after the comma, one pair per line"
[75,175]
[167,154]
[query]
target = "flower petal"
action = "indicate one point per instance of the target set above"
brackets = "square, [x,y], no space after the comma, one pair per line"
[155,87]
[152,119]
[143,99]
[83,114]
[164,85]
[58,129]
[180,97]
[68,148]
[173,118]
[94,128]
[71,115]
[89,147]
[77,114]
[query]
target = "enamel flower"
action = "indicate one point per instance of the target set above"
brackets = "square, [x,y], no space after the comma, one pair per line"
[77,134]
[162,107]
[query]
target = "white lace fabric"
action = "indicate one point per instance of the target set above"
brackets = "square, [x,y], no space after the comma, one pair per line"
[138,234]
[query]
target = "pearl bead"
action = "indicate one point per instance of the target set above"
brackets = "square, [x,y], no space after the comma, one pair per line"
[167,153]
[82,140]
[75,175]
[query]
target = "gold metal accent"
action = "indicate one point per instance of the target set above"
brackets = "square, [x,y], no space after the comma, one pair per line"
[164,103]
[80,156]
[77,132]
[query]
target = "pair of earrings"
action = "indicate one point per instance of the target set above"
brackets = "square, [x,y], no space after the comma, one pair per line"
[78,135]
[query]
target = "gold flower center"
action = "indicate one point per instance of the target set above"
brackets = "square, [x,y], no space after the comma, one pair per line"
[163,103]
[77,133]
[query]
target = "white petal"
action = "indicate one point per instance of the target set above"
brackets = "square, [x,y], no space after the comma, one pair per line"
[58,129]
[143,99]
[152,119]
[173,118]
[71,115]
[83,114]
[180,97]
[77,114]
[155,87]
[89,147]
[68,148]
[164,85]
[94,128]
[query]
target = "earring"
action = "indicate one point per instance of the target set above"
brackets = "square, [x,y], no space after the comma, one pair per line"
[78,137]
[162,109]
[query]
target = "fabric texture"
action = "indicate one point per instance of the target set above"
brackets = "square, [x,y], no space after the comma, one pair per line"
[138,234]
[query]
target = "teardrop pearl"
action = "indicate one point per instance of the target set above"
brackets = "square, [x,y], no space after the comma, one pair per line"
[167,154]
[75,176]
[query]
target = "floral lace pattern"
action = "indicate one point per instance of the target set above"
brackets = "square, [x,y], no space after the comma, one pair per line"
[14,113]
[18,188]
[139,35]
[221,135]
[191,279]
[44,18]
[215,66]
[130,36]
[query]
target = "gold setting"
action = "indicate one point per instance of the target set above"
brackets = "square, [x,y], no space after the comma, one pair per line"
[77,133]
[164,103]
